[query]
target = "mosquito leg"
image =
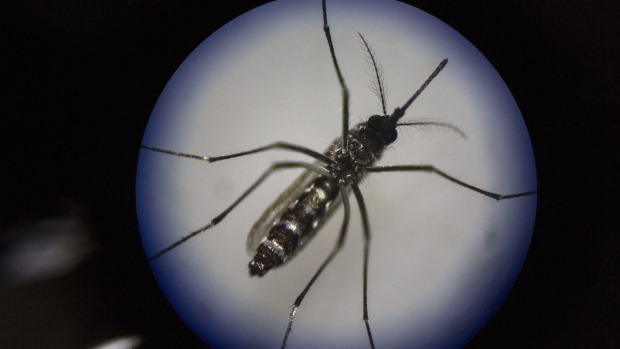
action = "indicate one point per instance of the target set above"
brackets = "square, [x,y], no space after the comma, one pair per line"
[274,167]
[276,145]
[337,248]
[175,153]
[343,86]
[432,169]
[366,226]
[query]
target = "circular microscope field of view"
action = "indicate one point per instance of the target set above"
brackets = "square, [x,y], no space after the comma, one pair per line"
[442,258]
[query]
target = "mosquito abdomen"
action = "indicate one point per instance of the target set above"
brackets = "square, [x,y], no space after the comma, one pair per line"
[295,225]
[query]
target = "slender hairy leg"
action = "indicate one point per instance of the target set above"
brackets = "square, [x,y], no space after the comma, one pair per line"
[274,167]
[343,86]
[432,169]
[276,145]
[334,252]
[366,226]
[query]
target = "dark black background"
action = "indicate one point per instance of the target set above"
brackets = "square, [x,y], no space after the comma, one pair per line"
[80,79]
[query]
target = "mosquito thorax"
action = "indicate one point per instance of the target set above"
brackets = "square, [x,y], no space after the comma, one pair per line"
[370,138]
[346,170]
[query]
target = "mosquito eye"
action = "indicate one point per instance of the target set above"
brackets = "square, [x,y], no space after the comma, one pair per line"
[389,136]
[381,125]
[375,123]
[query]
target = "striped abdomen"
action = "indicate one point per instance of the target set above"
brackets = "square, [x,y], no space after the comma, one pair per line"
[296,223]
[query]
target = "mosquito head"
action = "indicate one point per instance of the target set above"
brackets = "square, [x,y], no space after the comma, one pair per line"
[381,129]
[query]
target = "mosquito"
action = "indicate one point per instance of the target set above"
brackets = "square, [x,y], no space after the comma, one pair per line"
[300,210]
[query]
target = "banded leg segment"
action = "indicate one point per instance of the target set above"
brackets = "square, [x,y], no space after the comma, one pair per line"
[277,145]
[433,169]
[274,167]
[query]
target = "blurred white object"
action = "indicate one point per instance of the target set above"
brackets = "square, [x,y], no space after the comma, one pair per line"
[45,249]
[127,342]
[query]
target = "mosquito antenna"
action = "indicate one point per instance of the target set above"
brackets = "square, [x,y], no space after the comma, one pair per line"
[377,83]
[400,112]
[433,124]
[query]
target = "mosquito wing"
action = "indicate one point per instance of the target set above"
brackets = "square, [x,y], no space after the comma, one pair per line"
[261,228]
